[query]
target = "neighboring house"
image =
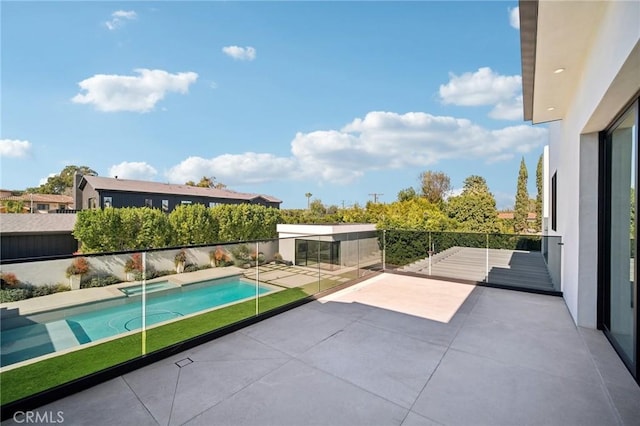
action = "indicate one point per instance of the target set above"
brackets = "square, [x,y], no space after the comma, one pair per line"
[36,235]
[39,203]
[581,73]
[508,215]
[99,192]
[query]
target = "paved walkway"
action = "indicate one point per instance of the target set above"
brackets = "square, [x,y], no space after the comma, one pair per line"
[394,350]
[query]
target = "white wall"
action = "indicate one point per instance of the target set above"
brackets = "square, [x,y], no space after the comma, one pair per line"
[573,151]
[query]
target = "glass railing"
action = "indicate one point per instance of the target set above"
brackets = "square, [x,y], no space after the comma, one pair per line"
[83,314]
[520,261]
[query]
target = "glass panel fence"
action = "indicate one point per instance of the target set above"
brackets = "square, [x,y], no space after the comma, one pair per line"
[517,261]
[527,261]
[72,316]
[91,312]
[552,253]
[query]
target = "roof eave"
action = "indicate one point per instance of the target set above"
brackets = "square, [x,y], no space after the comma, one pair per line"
[528,37]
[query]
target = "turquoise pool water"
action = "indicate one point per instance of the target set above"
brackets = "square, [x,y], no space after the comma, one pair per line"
[36,339]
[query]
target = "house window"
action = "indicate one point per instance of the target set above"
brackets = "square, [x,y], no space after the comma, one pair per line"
[213,204]
[62,206]
[92,204]
[165,206]
[42,207]
[185,202]
[107,202]
[148,202]
[554,193]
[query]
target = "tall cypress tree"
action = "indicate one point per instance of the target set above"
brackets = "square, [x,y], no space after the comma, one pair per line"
[522,200]
[539,177]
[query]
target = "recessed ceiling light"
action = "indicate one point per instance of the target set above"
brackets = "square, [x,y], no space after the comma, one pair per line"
[550,108]
[558,70]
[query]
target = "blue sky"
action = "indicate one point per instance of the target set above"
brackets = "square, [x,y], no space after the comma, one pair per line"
[340,99]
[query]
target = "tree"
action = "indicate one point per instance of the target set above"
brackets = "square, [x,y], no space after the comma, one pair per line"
[317,208]
[475,184]
[539,180]
[407,194]
[434,185]
[308,195]
[62,183]
[14,206]
[521,210]
[474,209]
[207,182]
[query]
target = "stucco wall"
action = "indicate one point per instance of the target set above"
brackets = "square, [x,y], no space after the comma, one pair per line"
[572,154]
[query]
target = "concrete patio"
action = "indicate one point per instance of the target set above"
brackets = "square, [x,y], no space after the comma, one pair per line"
[393,350]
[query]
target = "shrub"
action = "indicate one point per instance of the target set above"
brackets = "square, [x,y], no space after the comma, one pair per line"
[134,263]
[220,257]
[79,266]
[9,280]
[241,255]
[100,281]
[14,294]
[48,289]
[191,268]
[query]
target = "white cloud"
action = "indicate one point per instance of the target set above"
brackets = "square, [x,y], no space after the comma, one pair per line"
[484,87]
[231,169]
[109,92]
[514,17]
[133,170]
[44,180]
[508,110]
[119,17]
[14,148]
[240,53]
[379,141]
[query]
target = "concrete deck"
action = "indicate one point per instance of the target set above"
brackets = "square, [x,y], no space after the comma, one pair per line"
[393,350]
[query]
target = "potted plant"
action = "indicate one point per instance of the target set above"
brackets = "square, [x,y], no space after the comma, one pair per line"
[78,267]
[180,260]
[133,267]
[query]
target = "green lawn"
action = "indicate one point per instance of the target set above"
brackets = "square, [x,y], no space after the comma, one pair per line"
[33,378]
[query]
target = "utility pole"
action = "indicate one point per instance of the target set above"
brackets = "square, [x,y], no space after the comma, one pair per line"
[375,196]
[343,204]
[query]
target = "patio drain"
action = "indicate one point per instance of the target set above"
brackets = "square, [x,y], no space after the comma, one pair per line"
[184,362]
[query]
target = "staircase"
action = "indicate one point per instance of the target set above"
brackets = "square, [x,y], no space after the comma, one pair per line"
[506,267]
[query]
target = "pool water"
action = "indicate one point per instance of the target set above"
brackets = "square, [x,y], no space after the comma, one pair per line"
[33,340]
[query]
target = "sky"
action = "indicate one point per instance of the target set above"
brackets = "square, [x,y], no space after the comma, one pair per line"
[338,99]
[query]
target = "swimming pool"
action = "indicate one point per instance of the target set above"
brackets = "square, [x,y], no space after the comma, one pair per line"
[105,320]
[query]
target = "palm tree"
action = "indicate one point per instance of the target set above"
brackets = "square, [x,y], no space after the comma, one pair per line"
[308,195]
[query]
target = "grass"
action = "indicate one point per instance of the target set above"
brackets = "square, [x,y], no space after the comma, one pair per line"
[37,377]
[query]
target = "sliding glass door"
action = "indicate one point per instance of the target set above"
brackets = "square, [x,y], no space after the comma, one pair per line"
[621,277]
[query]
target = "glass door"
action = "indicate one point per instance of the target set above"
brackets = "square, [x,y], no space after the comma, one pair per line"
[621,279]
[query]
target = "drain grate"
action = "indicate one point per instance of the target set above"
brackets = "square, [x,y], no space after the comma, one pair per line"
[184,362]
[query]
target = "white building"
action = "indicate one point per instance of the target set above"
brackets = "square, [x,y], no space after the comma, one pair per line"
[581,73]
[330,246]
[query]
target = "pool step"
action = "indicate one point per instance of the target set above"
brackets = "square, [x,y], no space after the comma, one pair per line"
[35,340]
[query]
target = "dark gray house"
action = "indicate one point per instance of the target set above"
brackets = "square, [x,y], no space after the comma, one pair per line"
[99,192]
[36,235]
